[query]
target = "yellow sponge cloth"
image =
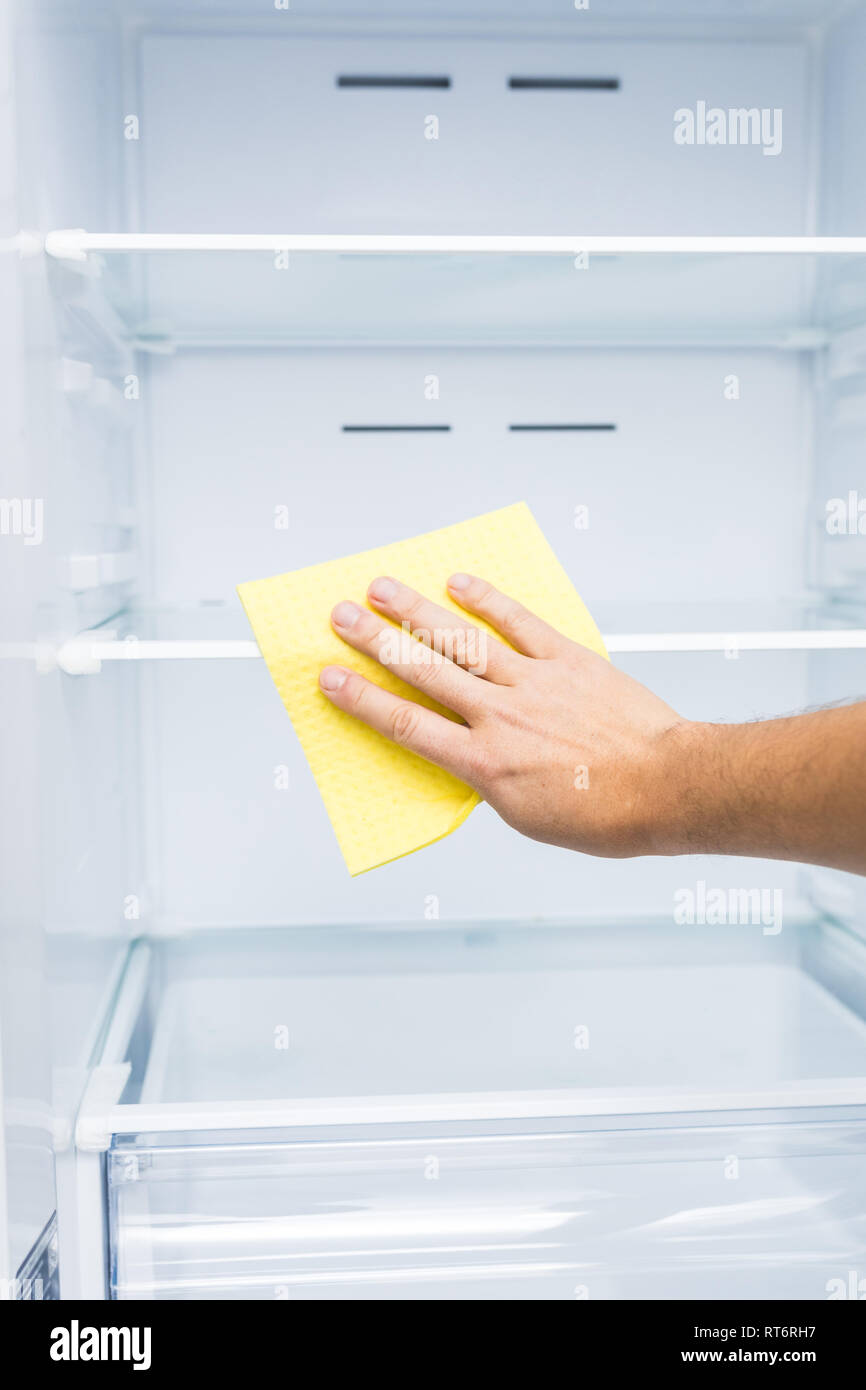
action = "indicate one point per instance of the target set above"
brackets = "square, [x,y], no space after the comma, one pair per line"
[384,801]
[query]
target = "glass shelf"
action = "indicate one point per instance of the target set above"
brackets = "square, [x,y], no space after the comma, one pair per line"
[666,993]
[171,291]
[218,631]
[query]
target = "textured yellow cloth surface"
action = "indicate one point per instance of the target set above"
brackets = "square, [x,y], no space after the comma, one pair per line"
[384,801]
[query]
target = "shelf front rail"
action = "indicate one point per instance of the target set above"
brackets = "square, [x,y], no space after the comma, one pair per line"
[84,654]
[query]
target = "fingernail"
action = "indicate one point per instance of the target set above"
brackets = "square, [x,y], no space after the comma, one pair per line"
[459,581]
[345,614]
[382,590]
[332,678]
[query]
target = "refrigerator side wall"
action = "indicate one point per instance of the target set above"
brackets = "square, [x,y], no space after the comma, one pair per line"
[70,771]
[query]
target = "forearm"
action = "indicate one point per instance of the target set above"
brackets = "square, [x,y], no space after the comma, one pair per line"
[791,788]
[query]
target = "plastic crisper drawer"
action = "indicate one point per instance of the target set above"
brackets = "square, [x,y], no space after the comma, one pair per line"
[513,1111]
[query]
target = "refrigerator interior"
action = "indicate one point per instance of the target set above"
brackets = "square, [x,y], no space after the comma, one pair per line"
[492,1069]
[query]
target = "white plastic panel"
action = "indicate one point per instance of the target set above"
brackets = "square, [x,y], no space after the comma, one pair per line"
[275,144]
[242,835]
[69,795]
[236,435]
[843,198]
[69,82]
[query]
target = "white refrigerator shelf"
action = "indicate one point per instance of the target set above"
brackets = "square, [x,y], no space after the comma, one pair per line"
[217,631]
[163,291]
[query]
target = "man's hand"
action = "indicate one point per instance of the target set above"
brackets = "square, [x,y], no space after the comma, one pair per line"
[572,751]
[565,747]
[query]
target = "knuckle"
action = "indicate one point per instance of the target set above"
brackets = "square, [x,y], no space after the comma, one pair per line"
[355,693]
[412,605]
[365,628]
[404,723]
[482,592]
[385,645]
[516,618]
[426,672]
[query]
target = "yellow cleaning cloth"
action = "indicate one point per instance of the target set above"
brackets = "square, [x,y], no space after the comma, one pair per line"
[384,801]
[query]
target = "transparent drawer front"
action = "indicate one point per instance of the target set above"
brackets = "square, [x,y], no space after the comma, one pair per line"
[755,1211]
